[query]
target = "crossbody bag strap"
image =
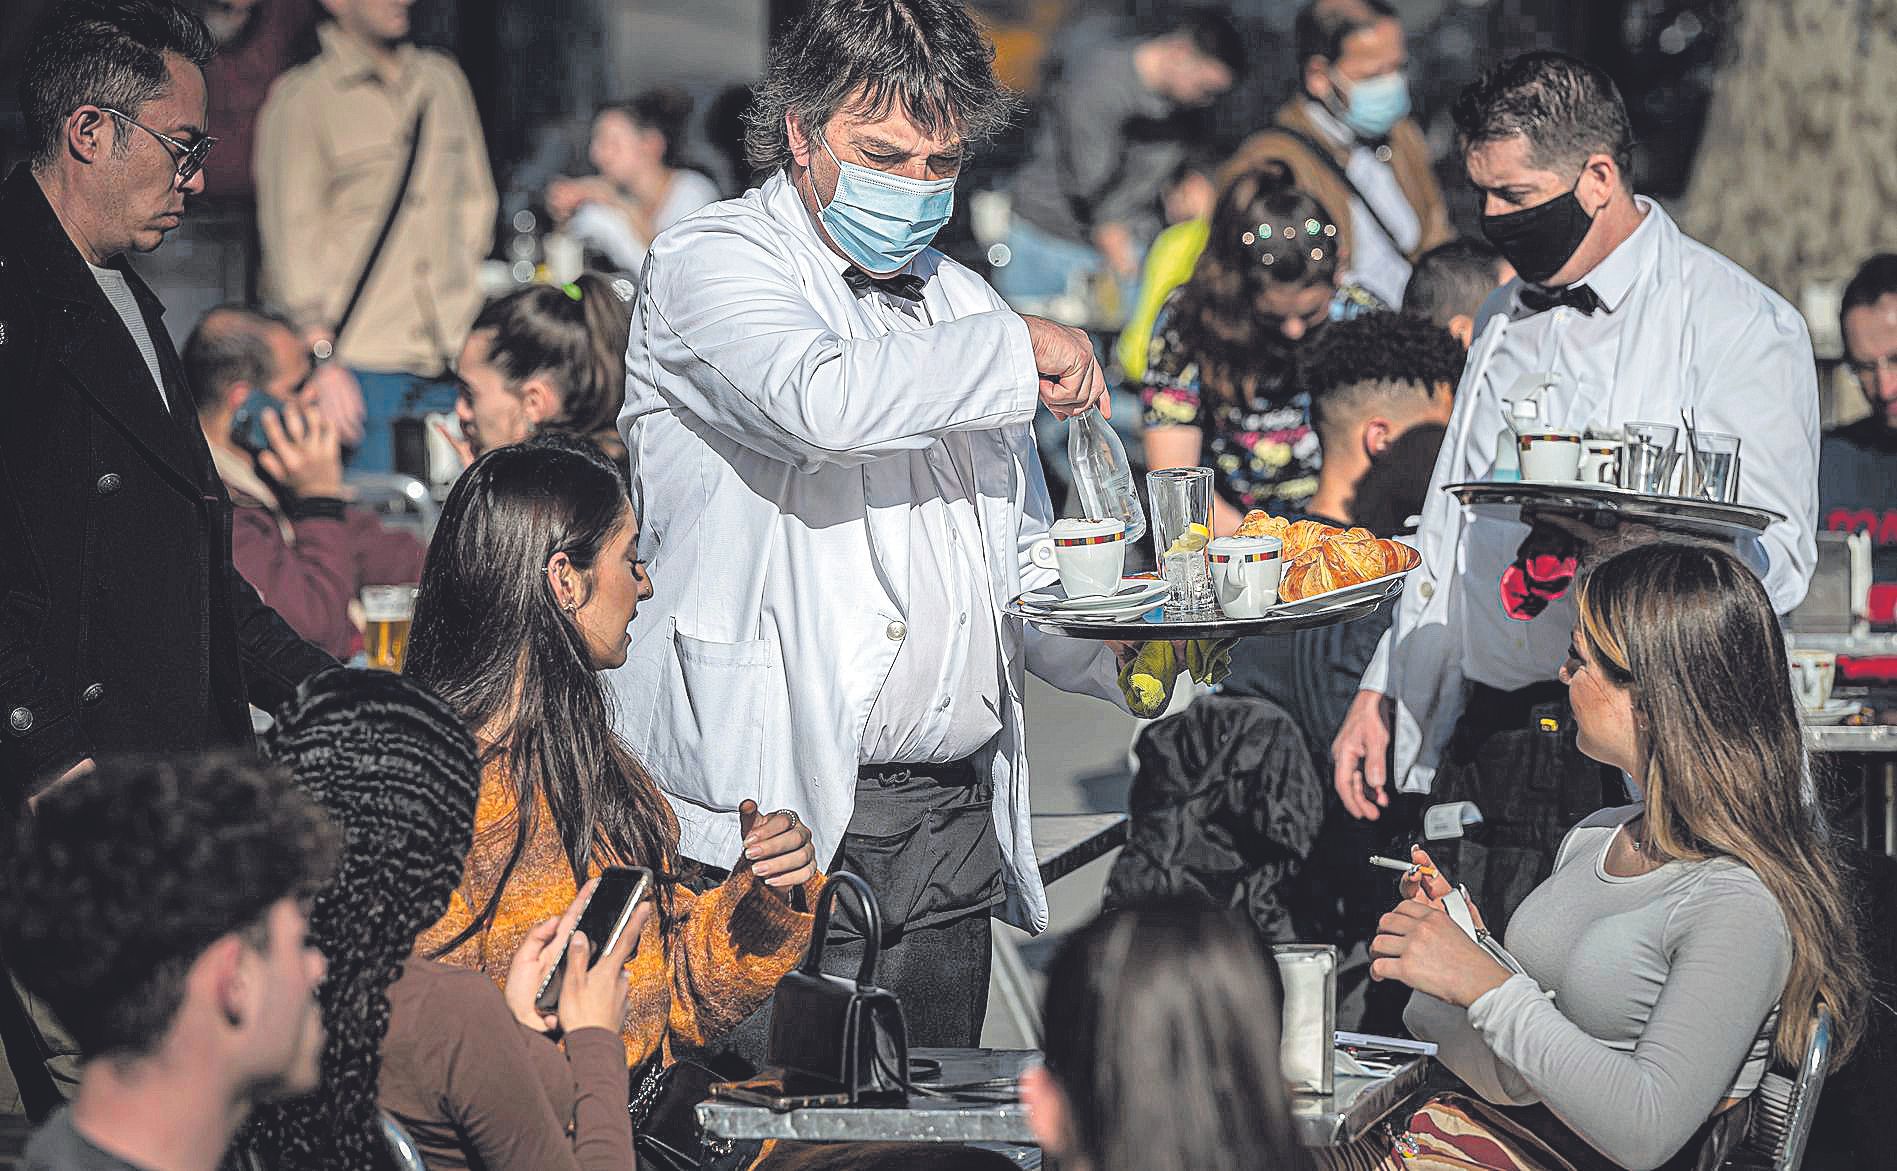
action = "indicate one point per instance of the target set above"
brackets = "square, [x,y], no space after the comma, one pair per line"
[1342,176]
[388,223]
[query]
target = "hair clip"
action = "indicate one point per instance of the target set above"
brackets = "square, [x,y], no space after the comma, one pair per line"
[573,291]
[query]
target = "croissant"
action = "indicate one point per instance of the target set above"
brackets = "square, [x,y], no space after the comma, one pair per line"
[1398,557]
[1304,535]
[1346,559]
[1259,523]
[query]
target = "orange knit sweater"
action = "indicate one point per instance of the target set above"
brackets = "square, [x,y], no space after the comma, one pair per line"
[725,953]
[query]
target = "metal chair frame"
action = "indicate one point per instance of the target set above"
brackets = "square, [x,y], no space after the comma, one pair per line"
[1782,1148]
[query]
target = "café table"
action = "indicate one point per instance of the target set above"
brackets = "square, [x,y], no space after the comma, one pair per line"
[1356,1105]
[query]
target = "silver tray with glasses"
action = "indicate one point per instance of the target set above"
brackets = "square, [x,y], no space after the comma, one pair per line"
[1163,621]
[1684,515]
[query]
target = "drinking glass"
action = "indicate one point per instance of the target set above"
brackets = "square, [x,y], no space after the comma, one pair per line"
[1182,527]
[387,614]
[1647,458]
[1714,474]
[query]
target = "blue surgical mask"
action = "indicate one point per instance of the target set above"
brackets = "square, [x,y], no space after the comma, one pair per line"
[881,221]
[1377,104]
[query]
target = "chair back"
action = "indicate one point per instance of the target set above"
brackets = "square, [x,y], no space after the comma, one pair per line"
[1785,1108]
[407,1155]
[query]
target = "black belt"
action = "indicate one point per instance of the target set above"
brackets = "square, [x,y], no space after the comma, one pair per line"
[951,772]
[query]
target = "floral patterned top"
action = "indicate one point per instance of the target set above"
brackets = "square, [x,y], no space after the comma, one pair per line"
[1263,453]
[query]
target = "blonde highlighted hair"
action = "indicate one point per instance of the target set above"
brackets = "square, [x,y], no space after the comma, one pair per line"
[1689,630]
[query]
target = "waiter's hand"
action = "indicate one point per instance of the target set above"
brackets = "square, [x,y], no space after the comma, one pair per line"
[1071,381]
[1361,748]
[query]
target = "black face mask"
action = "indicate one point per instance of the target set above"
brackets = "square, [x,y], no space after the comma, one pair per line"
[1539,240]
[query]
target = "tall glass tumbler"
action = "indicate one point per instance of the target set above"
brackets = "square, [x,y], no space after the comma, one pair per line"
[1182,527]
[1714,473]
[1647,458]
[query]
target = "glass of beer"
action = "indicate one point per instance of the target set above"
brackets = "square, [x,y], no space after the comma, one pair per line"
[387,611]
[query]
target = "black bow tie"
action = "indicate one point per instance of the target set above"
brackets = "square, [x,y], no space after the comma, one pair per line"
[904,285]
[1580,298]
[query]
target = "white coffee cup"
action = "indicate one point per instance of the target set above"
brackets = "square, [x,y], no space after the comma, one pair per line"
[1089,555]
[1245,573]
[1549,454]
[1813,673]
[1600,461]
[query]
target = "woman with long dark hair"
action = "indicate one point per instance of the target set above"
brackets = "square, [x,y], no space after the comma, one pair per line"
[642,187]
[1683,941]
[1220,387]
[546,358]
[466,1068]
[530,585]
[1161,1050]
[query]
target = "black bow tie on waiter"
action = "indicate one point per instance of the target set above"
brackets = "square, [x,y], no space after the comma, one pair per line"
[1580,298]
[904,285]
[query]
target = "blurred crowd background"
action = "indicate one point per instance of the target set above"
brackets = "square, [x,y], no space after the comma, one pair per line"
[1785,87]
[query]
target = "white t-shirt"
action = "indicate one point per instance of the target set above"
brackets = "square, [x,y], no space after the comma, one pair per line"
[118,291]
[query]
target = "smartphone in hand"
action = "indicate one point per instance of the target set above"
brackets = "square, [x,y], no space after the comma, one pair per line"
[603,921]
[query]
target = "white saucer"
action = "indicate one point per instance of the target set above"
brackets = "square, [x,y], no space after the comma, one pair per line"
[1141,591]
[1835,711]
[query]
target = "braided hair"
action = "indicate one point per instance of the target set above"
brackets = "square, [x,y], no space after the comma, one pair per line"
[395,768]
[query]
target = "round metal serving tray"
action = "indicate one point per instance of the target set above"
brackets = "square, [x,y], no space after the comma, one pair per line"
[1678,514]
[1342,605]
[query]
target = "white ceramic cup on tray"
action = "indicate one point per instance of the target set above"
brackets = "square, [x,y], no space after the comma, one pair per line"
[1245,574]
[1550,455]
[1089,555]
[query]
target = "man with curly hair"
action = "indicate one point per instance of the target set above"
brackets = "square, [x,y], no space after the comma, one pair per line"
[158,907]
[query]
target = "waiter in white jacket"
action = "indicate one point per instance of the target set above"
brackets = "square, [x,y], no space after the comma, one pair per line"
[1626,320]
[828,424]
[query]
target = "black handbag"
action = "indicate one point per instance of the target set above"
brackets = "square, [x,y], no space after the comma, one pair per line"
[841,1033]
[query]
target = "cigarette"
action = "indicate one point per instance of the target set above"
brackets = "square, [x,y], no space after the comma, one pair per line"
[1406,867]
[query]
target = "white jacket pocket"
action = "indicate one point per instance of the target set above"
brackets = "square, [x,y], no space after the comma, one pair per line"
[720,725]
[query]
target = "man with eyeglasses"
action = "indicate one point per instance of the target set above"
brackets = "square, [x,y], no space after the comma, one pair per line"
[123,625]
[1857,464]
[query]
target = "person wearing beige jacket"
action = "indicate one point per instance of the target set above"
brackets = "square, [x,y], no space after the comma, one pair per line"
[1350,143]
[332,141]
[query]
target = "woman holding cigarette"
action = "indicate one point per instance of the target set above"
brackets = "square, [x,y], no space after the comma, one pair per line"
[1681,942]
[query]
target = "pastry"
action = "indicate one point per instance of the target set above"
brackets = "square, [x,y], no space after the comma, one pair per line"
[1259,523]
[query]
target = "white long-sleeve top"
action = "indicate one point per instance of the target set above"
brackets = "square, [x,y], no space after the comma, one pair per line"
[1666,991]
[790,443]
[1684,329]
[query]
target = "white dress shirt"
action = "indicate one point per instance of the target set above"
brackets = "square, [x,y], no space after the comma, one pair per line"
[942,700]
[1377,262]
[1684,329]
[823,479]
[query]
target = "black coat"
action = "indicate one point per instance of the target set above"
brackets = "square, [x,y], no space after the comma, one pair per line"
[123,626]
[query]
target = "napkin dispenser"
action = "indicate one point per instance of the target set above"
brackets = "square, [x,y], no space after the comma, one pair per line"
[1307,1044]
[835,1031]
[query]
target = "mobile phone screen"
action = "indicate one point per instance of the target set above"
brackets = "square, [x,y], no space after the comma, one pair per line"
[602,921]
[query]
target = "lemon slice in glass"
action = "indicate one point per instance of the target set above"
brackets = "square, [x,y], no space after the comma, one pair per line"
[1195,538]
